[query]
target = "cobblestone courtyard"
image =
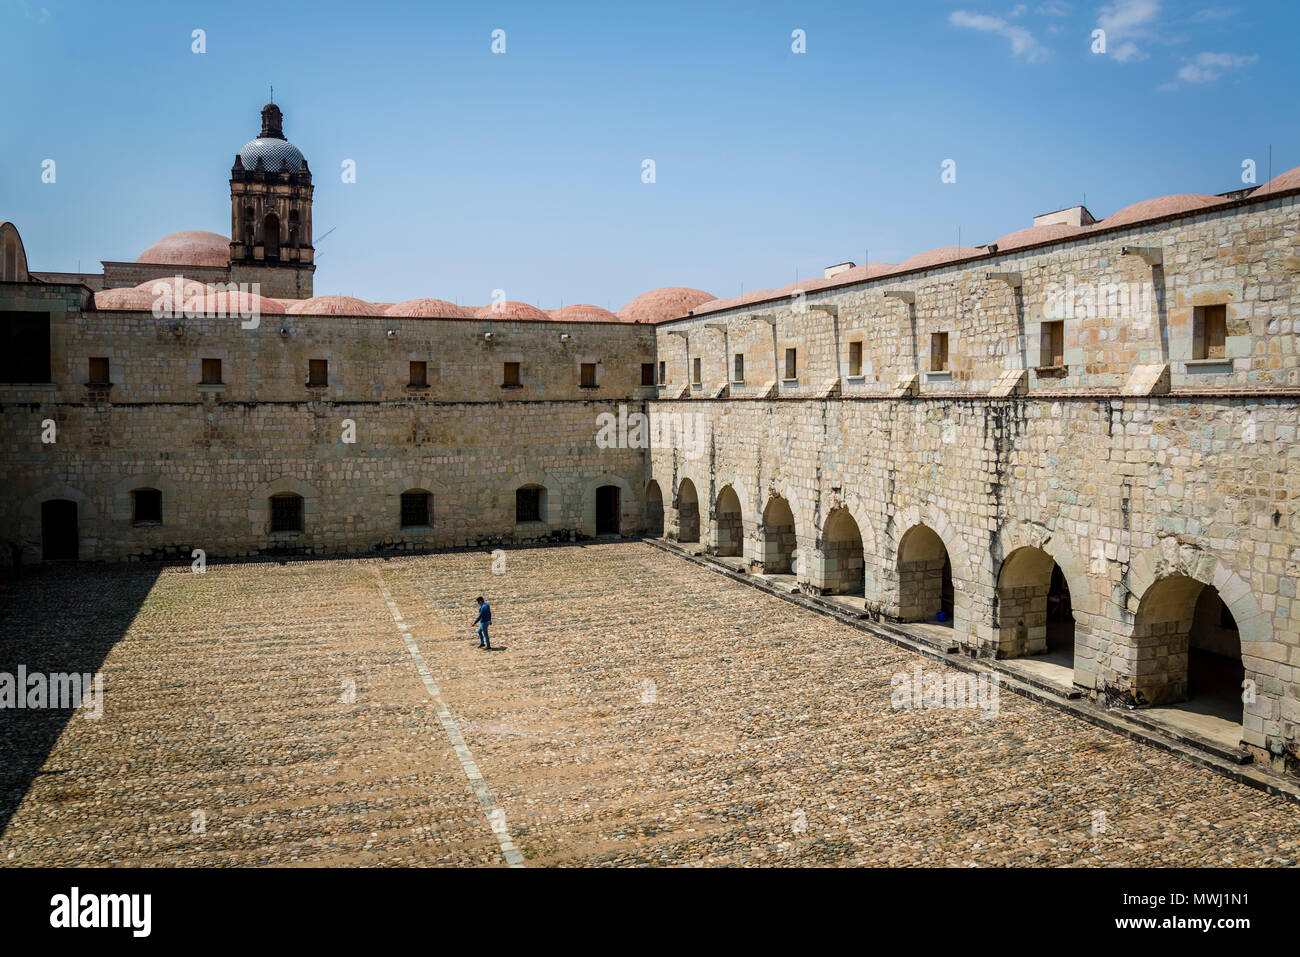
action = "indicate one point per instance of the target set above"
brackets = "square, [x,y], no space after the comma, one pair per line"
[645,711]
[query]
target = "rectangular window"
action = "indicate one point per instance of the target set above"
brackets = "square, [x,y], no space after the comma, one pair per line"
[855,358]
[419,375]
[738,373]
[663,372]
[587,375]
[318,372]
[791,363]
[1053,343]
[286,513]
[211,372]
[511,375]
[98,371]
[25,347]
[695,371]
[647,373]
[528,504]
[415,509]
[939,352]
[1210,332]
[146,506]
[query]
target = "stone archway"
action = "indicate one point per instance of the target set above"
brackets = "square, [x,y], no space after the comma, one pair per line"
[728,524]
[654,510]
[1033,611]
[925,589]
[688,512]
[776,538]
[842,562]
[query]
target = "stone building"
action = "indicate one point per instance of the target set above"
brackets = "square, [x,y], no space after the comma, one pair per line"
[1072,449]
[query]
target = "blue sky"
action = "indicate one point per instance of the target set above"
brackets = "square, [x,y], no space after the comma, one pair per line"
[523,170]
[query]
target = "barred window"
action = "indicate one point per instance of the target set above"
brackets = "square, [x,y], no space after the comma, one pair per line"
[286,513]
[416,509]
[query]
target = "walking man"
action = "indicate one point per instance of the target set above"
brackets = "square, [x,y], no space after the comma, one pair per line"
[483,620]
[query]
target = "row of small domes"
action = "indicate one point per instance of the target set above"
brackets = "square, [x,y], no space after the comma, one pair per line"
[201,248]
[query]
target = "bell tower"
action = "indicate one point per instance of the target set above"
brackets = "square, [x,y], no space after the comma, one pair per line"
[270,213]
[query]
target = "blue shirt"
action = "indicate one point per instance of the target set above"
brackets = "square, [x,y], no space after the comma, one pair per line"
[484,614]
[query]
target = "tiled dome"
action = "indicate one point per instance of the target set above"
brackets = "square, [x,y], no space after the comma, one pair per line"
[510,310]
[937,257]
[233,304]
[333,306]
[428,309]
[584,312]
[276,155]
[668,302]
[1280,183]
[814,282]
[1159,206]
[125,298]
[1037,234]
[189,247]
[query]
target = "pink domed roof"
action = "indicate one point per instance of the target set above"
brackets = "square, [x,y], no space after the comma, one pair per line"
[815,282]
[189,247]
[758,295]
[1037,234]
[510,310]
[333,306]
[1281,182]
[125,298]
[714,305]
[1159,206]
[937,257]
[428,309]
[865,271]
[233,304]
[668,302]
[584,312]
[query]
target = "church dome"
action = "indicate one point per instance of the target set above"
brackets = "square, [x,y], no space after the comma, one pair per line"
[668,302]
[275,152]
[189,247]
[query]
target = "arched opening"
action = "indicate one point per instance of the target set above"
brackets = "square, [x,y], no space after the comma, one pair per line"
[530,504]
[608,510]
[271,235]
[294,230]
[728,525]
[842,563]
[776,538]
[11,261]
[416,509]
[654,510]
[688,512]
[250,227]
[1189,648]
[286,512]
[924,577]
[1034,613]
[59,530]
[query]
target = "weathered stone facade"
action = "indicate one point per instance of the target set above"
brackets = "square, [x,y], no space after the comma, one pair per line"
[1142,473]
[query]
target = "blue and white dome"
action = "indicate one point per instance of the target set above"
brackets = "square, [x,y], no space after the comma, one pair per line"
[276,155]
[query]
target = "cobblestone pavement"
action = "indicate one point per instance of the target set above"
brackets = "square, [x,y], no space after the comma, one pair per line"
[645,711]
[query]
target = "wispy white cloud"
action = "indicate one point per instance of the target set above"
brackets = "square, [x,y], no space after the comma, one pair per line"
[1126,22]
[1023,42]
[1053,8]
[1211,14]
[1208,67]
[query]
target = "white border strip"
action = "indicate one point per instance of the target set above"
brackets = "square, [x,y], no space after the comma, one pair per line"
[496,818]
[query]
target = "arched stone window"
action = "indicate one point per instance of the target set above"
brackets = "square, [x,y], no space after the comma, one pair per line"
[250,226]
[286,512]
[294,229]
[417,509]
[530,504]
[271,235]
